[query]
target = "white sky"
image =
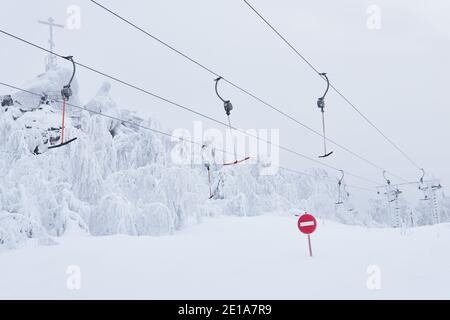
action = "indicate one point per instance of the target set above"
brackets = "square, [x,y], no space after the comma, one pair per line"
[395,75]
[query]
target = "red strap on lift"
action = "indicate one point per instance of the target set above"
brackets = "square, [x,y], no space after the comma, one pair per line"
[63,117]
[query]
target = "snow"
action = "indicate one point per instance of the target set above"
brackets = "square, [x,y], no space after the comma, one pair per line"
[260,257]
[119,178]
[141,225]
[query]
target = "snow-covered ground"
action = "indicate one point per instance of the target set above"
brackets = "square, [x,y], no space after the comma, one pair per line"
[261,257]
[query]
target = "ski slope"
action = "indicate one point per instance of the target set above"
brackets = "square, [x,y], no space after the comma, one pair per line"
[260,257]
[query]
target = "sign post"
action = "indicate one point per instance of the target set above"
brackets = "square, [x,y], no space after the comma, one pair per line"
[309,245]
[307,224]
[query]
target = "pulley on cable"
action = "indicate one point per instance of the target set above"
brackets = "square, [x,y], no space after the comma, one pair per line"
[347,194]
[208,155]
[228,107]
[389,191]
[396,194]
[388,182]
[321,106]
[436,187]
[342,192]
[423,187]
[66,93]
[339,201]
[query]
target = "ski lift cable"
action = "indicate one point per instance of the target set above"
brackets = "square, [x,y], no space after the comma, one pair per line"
[419,182]
[331,181]
[190,109]
[408,183]
[339,201]
[220,122]
[236,86]
[162,132]
[333,87]
[112,117]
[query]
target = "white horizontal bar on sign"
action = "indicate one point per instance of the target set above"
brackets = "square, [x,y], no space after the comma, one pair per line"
[307,224]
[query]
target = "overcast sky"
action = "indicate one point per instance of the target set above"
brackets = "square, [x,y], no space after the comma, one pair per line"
[396,75]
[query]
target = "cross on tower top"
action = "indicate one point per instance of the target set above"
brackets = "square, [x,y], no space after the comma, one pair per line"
[50,60]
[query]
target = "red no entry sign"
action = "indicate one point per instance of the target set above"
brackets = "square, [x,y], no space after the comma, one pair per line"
[307,224]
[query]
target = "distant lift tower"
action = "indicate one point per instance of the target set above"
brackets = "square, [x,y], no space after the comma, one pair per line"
[50,60]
